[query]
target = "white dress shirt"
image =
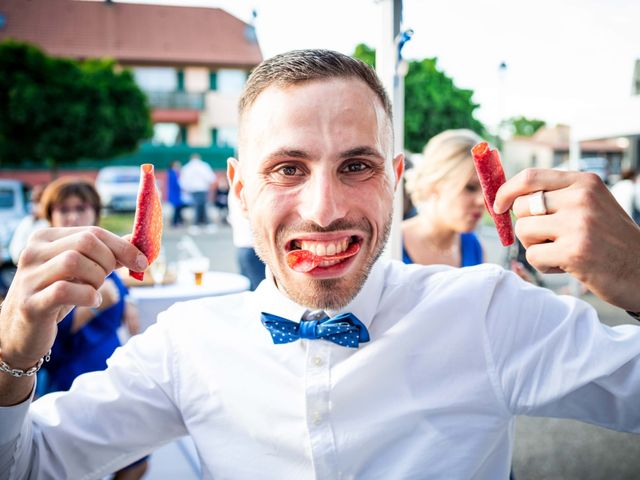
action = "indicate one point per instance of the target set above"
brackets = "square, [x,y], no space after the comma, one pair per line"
[454,355]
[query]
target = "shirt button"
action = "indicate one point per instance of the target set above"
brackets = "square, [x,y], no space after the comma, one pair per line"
[317,418]
[317,361]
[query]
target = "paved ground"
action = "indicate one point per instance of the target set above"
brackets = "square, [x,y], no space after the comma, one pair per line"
[546,449]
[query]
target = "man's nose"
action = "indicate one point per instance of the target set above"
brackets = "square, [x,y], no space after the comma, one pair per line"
[323,199]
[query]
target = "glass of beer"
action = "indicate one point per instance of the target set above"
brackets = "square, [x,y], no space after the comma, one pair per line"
[199,266]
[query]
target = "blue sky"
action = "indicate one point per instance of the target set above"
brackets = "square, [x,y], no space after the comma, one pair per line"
[561,55]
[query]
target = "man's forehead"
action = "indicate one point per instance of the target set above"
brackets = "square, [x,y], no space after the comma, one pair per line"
[345,98]
[300,92]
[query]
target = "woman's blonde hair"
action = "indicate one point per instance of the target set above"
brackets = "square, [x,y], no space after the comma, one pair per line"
[446,156]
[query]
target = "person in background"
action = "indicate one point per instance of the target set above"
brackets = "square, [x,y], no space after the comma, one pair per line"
[446,192]
[249,263]
[221,200]
[34,221]
[174,193]
[198,179]
[625,191]
[86,336]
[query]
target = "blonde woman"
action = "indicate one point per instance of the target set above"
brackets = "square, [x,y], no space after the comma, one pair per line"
[446,192]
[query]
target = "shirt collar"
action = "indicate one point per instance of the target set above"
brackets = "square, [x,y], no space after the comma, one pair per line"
[364,305]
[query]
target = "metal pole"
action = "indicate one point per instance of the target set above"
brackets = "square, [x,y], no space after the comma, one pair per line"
[387,58]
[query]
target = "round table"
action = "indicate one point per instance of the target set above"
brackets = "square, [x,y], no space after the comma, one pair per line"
[153,300]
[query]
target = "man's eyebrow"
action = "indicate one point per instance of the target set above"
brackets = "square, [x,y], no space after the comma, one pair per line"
[289,153]
[361,152]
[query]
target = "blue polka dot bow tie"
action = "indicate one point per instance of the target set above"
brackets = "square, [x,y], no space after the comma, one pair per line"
[344,329]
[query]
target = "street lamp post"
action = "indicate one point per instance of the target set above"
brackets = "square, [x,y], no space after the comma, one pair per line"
[391,69]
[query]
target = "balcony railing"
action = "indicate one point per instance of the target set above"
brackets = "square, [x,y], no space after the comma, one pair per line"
[189,100]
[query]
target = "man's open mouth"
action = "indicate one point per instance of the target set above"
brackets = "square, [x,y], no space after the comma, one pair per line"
[305,255]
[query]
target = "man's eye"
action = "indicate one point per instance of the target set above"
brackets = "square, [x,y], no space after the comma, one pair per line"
[288,170]
[472,188]
[355,167]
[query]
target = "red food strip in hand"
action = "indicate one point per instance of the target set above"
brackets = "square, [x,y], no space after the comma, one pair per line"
[304,261]
[491,175]
[147,225]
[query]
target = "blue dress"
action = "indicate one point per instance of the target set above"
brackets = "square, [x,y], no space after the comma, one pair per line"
[470,250]
[87,349]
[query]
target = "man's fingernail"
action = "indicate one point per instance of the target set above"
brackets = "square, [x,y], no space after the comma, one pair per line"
[98,299]
[497,207]
[141,262]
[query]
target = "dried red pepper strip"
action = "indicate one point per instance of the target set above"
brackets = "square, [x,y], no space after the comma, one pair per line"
[304,261]
[147,225]
[491,175]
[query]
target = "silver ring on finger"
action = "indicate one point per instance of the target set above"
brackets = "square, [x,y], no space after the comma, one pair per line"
[537,204]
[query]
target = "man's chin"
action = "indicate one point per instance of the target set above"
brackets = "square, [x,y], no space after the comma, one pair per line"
[325,294]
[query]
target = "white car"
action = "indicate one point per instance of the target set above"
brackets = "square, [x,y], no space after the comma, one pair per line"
[118,187]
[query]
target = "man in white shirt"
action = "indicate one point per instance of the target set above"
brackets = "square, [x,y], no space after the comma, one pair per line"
[420,376]
[197,179]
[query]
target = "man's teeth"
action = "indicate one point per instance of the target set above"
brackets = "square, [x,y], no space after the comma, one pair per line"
[328,263]
[325,248]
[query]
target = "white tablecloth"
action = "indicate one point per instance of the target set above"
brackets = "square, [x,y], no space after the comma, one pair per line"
[153,300]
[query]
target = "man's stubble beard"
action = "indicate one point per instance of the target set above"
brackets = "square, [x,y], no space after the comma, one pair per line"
[324,294]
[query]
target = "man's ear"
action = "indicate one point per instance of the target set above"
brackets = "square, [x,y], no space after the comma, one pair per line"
[398,168]
[236,183]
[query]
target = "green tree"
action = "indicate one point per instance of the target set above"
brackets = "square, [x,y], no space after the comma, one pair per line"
[56,111]
[523,126]
[432,102]
[366,54]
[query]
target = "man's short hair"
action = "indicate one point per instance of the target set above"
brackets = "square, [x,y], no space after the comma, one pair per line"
[299,66]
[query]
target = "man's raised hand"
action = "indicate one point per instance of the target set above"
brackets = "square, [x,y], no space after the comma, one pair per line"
[59,268]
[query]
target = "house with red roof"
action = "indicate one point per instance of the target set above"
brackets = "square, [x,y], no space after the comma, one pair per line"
[192,62]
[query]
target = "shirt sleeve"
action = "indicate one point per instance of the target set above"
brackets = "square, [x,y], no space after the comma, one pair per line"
[14,428]
[553,357]
[106,421]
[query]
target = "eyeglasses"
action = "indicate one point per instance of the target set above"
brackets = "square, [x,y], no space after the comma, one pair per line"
[78,210]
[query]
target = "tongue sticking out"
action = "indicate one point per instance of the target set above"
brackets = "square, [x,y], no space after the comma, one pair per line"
[304,261]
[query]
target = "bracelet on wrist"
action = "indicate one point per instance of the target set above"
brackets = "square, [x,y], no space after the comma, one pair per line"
[18,372]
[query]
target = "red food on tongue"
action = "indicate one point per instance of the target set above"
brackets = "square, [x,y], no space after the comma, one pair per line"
[147,225]
[491,176]
[304,261]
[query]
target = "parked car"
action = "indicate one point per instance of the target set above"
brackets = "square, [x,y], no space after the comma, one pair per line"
[13,208]
[118,187]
